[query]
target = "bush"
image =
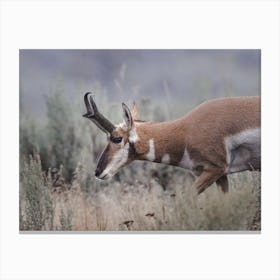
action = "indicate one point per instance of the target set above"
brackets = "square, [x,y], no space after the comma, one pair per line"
[36,204]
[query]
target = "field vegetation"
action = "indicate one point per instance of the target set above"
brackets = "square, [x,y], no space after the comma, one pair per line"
[58,156]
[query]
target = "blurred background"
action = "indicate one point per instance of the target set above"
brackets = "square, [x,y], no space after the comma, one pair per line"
[189,76]
[59,149]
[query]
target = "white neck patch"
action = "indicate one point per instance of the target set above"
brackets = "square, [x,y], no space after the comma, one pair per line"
[151,154]
[133,136]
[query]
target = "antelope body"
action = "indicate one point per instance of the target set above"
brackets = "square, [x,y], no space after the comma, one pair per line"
[219,137]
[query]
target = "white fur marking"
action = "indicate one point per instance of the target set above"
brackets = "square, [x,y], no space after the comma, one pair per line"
[247,136]
[151,154]
[186,162]
[165,159]
[241,148]
[133,136]
[122,125]
[118,160]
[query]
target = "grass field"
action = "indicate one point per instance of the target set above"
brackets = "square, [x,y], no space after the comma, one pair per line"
[143,205]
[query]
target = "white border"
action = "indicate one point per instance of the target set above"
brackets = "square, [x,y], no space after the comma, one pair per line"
[156,24]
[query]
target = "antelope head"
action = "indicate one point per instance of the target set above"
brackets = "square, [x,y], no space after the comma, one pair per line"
[120,149]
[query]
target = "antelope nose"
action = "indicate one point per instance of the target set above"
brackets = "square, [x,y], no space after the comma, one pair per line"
[97,172]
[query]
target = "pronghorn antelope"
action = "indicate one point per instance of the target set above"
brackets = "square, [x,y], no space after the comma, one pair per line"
[219,137]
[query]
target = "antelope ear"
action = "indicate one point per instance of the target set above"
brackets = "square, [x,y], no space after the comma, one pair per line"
[135,112]
[127,116]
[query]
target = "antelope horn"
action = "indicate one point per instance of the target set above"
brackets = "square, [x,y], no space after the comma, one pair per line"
[95,116]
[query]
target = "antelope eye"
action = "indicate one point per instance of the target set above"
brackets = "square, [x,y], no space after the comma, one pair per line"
[117,140]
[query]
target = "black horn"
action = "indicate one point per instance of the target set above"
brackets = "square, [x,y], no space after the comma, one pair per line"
[95,116]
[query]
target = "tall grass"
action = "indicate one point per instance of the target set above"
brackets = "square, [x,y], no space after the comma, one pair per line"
[142,205]
[59,192]
[36,204]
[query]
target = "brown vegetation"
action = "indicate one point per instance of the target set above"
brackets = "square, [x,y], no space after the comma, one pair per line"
[143,206]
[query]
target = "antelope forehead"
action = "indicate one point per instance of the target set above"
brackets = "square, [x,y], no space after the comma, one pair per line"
[121,127]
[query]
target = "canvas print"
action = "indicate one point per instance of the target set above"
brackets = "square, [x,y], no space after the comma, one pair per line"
[140,140]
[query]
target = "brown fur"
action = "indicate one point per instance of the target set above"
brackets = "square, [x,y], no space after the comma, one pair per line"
[202,130]
[169,138]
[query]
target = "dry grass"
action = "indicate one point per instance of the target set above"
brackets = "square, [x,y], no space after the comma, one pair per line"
[127,207]
[142,206]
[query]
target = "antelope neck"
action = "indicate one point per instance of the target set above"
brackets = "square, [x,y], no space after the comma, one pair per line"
[161,142]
